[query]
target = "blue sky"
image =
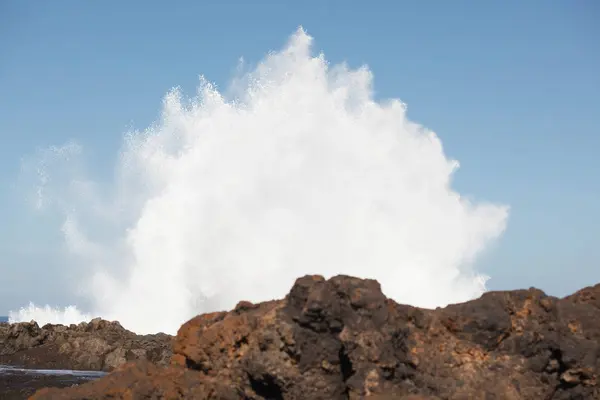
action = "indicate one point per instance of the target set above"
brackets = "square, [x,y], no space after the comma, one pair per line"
[511,88]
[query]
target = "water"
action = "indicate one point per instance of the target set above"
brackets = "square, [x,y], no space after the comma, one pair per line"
[3,319]
[20,383]
[294,170]
[10,370]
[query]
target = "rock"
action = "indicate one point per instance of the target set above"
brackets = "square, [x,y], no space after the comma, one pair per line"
[97,345]
[145,380]
[343,339]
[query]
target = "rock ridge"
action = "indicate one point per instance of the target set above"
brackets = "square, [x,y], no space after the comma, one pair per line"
[98,346]
[341,338]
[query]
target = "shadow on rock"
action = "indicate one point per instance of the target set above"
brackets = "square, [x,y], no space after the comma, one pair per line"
[343,339]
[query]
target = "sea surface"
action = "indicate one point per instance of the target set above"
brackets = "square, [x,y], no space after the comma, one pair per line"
[20,383]
[3,319]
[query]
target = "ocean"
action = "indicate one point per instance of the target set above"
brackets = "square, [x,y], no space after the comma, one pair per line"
[3,319]
[19,383]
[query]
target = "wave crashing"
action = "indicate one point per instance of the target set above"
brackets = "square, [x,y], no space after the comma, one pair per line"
[298,171]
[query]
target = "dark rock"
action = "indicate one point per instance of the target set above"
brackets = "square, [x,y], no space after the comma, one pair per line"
[343,339]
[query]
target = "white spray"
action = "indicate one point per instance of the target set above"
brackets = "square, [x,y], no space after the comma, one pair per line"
[303,173]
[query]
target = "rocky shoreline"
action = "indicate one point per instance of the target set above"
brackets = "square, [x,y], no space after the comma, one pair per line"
[96,346]
[16,383]
[336,339]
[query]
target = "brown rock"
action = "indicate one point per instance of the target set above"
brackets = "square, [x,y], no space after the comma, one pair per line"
[146,381]
[97,345]
[343,339]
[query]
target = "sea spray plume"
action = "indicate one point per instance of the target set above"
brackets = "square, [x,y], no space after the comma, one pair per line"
[49,315]
[304,172]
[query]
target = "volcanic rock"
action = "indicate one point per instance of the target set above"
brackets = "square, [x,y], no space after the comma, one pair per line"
[343,339]
[98,346]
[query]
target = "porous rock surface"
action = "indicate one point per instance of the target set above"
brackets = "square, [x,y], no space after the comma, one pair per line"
[343,339]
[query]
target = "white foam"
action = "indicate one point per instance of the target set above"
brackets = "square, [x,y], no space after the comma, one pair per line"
[48,315]
[303,172]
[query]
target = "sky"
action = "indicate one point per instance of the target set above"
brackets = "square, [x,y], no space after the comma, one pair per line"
[511,88]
